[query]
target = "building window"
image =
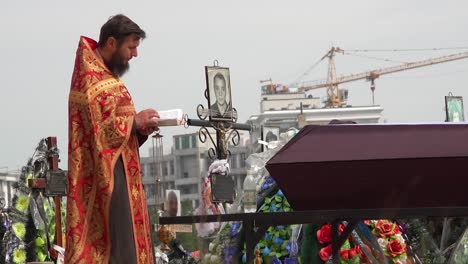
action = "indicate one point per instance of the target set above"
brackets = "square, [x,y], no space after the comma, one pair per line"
[177,146]
[164,169]
[185,174]
[171,168]
[185,142]
[153,170]
[194,141]
[184,190]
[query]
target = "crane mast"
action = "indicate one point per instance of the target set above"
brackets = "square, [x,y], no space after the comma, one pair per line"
[332,81]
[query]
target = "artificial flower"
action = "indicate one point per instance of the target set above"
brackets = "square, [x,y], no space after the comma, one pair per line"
[324,235]
[22,203]
[41,256]
[352,252]
[19,229]
[266,251]
[278,241]
[293,248]
[386,228]
[396,248]
[39,241]
[344,253]
[19,256]
[325,253]
[235,229]
[291,260]
[229,255]
[275,260]
[215,259]
[382,243]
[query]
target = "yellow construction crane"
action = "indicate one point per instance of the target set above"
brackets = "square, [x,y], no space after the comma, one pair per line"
[332,81]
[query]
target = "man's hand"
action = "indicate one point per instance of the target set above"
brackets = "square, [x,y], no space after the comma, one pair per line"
[145,122]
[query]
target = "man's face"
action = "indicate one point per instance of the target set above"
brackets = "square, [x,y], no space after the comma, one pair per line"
[122,54]
[173,205]
[220,90]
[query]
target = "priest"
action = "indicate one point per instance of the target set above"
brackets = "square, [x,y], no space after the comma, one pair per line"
[107,216]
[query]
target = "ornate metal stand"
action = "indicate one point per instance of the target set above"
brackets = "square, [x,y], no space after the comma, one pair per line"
[222,128]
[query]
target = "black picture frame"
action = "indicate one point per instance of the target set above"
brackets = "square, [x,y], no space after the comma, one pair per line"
[269,133]
[216,113]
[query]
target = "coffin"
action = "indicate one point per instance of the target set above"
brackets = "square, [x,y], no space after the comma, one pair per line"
[374,166]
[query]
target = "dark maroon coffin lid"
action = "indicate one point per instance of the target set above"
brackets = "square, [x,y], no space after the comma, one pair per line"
[374,166]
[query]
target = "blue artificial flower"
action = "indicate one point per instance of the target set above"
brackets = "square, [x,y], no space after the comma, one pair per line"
[292,260]
[266,251]
[229,255]
[280,227]
[275,260]
[244,258]
[278,241]
[267,183]
[268,236]
[235,229]
[293,248]
[273,208]
[280,193]
[288,247]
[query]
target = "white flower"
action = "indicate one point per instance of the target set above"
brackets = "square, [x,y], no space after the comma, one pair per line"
[215,259]
[400,238]
[383,243]
[206,258]
[211,246]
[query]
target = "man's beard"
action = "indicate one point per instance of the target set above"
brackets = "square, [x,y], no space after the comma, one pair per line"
[117,65]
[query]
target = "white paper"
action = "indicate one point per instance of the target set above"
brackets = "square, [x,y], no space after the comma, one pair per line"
[173,117]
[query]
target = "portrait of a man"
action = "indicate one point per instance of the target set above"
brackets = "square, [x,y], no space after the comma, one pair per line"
[454,109]
[269,134]
[173,203]
[219,93]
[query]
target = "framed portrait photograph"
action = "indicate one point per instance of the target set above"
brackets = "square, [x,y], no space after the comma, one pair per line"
[454,109]
[269,134]
[218,84]
[172,204]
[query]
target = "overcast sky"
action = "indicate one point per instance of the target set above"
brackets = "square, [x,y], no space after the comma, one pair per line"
[256,39]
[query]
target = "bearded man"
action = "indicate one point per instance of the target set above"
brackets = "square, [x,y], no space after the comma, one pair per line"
[107,216]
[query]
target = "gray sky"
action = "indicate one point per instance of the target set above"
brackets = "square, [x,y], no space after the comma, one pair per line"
[256,39]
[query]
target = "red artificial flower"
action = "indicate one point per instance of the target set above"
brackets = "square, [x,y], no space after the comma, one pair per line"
[344,254]
[397,230]
[395,248]
[325,253]
[352,252]
[367,222]
[324,235]
[385,228]
[341,229]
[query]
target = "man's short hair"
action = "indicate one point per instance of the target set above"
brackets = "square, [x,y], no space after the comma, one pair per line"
[221,77]
[119,27]
[171,194]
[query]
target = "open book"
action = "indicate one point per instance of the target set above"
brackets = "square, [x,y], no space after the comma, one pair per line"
[173,117]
